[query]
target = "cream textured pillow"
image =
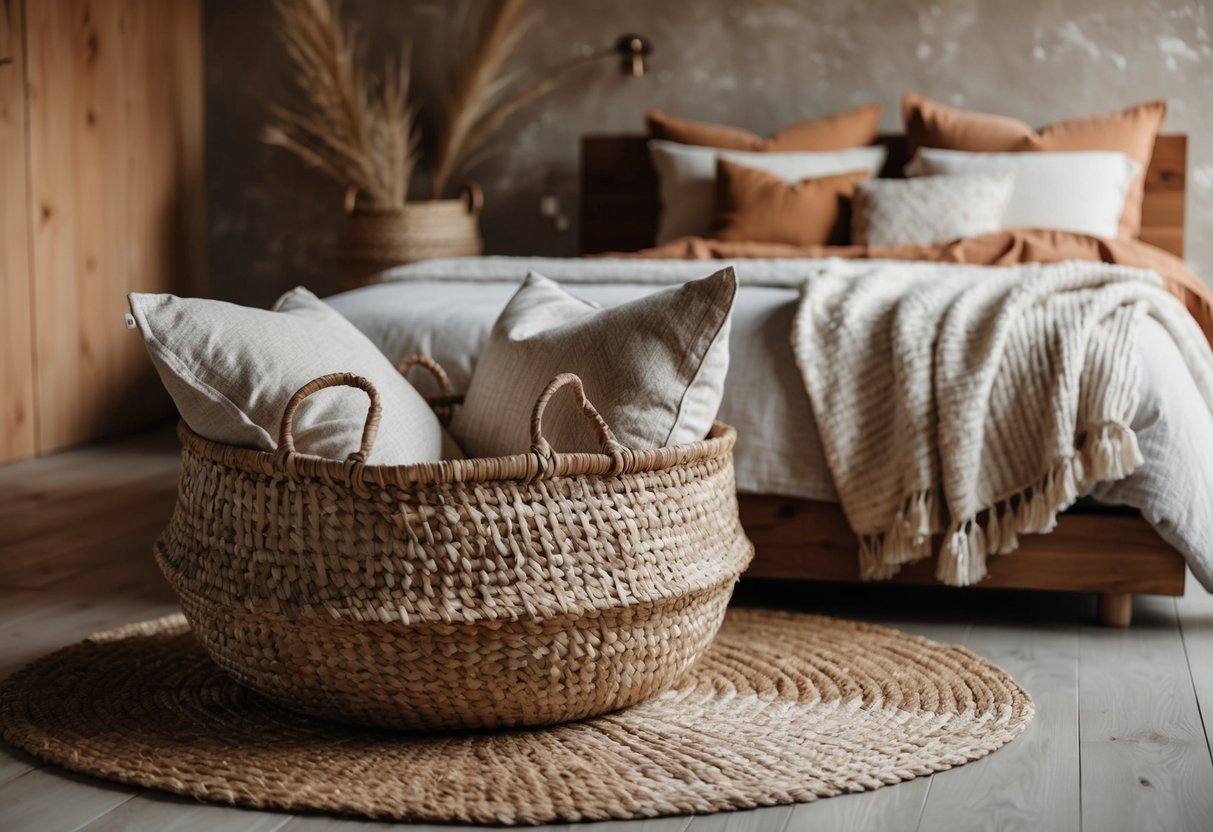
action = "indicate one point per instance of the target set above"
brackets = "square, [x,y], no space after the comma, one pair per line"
[654,367]
[932,209]
[1082,191]
[231,371]
[686,177]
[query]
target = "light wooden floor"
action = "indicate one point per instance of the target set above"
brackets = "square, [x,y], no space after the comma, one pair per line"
[1119,741]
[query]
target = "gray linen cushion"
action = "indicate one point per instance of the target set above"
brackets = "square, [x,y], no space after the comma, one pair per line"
[231,370]
[654,367]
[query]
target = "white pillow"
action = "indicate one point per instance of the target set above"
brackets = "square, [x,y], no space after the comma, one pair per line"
[930,209]
[654,367]
[231,370]
[1081,191]
[686,176]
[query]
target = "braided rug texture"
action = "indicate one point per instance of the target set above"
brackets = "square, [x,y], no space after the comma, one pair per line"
[783,708]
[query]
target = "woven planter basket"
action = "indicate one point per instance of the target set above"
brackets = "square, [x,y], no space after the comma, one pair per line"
[375,239]
[520,590]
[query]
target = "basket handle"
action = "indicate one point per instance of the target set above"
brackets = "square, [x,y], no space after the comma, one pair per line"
[473,196]
[286,438]
[606,438]
[417,359]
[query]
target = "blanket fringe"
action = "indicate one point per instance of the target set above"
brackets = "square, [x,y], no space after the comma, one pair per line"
[1109,453]
[908,539]
[1115,454]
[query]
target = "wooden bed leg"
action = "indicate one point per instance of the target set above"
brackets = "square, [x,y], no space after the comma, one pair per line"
[1114,609]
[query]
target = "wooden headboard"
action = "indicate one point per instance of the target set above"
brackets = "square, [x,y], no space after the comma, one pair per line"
[619,192]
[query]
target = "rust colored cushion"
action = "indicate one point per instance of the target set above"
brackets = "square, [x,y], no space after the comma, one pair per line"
[757,206]
[853,128]
[1130,131]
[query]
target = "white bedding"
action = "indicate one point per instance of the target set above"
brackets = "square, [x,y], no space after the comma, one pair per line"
[446,308]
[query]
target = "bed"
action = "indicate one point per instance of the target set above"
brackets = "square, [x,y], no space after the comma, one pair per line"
[798,533]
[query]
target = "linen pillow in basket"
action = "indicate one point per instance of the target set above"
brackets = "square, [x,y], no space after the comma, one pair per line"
[654,368]
[231,370]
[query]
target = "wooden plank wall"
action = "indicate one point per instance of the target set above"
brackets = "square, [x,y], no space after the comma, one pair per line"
[114,119]
[1162,209]
[16,345]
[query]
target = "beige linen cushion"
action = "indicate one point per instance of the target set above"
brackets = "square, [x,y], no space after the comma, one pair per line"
[931,209]
[231,370]
[654,367]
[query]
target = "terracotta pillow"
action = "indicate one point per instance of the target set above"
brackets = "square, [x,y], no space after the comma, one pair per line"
[1130,131]
[853,128]
[757,206]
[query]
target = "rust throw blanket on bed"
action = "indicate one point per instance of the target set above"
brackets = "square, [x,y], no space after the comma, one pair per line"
[1003,248]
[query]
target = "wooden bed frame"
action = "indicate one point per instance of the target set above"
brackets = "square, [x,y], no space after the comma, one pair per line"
[1112,552]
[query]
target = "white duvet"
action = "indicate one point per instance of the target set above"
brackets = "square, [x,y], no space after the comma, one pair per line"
[445,308]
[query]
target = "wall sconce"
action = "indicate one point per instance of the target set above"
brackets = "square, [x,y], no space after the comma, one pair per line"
[629,49]
[632,50]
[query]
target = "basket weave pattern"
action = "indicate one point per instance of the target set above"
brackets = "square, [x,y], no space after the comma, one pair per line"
[475,593]
[375,239]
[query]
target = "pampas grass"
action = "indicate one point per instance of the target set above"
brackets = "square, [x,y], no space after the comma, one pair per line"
[477,85]
[356,137]
[371,141]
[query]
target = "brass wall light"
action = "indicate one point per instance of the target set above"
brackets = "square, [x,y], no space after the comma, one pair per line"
[632,50]
[629,49]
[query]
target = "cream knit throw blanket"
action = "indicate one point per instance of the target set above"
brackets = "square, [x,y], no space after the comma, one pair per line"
[974,401]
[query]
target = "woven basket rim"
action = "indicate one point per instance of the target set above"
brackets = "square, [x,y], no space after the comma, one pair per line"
[524,467]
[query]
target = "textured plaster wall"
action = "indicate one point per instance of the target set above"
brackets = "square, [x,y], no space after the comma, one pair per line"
[759,64]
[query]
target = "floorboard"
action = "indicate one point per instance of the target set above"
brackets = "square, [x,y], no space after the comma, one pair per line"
[318,823]
[1145,759]
[14,763]
[1120,740]
[45,799]
[770,819]
[1195,611]
[1032,784]
[169,813]
[99,599]
[890,809]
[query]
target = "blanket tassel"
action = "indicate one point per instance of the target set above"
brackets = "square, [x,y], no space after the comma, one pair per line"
[1111,454]
[1114,454]
[907,539]
[963,559]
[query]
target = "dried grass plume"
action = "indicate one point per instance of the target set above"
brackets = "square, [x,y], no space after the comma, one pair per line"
[370,138]
[356,136]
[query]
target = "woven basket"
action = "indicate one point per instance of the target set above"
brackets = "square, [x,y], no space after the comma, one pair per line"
[375,239]
[519,590]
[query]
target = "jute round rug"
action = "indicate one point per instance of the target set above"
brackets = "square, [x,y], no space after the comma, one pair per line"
[784,708]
